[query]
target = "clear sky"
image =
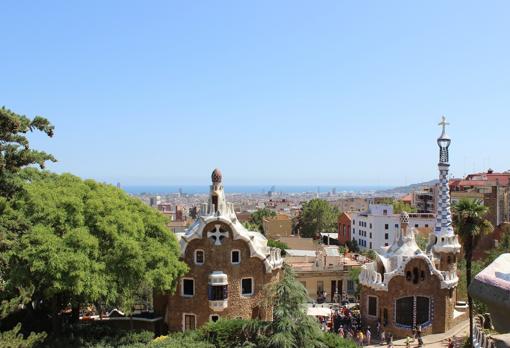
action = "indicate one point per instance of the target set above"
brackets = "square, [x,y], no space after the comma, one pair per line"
[271,92]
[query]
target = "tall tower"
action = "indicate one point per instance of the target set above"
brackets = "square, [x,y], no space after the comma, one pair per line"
[444,243]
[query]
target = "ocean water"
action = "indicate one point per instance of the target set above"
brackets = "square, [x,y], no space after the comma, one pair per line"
[197,189]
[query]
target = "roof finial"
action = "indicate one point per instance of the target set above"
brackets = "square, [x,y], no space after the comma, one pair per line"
[444,124]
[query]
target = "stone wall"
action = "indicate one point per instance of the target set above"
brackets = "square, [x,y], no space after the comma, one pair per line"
[218,258]
[442,305]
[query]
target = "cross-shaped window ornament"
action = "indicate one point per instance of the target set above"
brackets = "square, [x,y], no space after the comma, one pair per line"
[217,234]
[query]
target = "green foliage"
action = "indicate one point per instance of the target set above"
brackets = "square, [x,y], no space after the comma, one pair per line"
[257,217]
[190,339]
[369,254]
[399,206]
[318,216]
[99,335]
[277,244]
[15,151]
[230,333]
[422,241]
[354,273]
[502,247]
[291,327]
[14,339]
[471,225]
[89,242]
[250,226]
[332,340]
[352,245]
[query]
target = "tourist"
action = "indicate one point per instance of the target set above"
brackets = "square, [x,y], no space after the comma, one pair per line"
[408,341]
[341,331]
[360,337]
[369,335]
[390,340]
[450,343]
[382,337]
[420,340]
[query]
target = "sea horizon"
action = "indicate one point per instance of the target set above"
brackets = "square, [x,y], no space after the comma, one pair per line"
[251,189]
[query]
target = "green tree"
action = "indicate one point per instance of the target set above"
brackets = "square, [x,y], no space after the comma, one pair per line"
[471,225]
[354,273]
[421,241]
[277,244]
[399,206]
[259,215]
[291,326]
[15,151]
[90,243]
[14,339]
[318,216]
[352,245]
[15,154]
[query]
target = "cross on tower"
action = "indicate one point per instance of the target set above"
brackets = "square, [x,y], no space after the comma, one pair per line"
[443,123]
[216,234]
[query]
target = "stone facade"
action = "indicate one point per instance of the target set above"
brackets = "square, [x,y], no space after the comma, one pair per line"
[406,286]
[221,255]
[441,301]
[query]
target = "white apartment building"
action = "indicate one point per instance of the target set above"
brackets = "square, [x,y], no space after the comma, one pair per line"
[377,226]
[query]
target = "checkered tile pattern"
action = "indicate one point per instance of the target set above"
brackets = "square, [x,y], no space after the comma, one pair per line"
[444,215]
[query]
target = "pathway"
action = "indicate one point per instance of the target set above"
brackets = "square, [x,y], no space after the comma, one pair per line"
[457,333]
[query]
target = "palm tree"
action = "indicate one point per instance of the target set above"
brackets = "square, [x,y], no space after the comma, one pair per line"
[471,225]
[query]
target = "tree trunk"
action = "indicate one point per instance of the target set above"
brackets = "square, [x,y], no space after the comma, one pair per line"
[75,314]
[469,256]
[55,320]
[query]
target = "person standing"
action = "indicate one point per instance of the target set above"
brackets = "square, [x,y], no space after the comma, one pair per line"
[341,331]
[369,335]
[382,337]
[390,340]
[361,337]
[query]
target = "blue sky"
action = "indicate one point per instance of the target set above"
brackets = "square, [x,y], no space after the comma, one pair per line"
[272,92]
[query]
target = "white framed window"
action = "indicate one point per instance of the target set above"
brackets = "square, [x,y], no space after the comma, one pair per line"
[187,287]
[199,257]
[189,321]
[235,257]
[214,317]
[247,288]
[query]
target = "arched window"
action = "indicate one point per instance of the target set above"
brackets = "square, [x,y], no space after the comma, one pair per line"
[422,310]
[413,310]
[408,275]
[404,311]
[415,275]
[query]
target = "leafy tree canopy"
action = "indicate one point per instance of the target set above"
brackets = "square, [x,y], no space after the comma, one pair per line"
[399,206]
[277,244]
[318,216]
[470,225]
[89,242]
[15,151]
[257,217]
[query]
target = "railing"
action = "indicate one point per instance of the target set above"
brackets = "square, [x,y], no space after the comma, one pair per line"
[480,338]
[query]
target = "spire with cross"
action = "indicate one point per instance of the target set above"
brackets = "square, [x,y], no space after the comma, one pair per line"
[444,142]
[443,123]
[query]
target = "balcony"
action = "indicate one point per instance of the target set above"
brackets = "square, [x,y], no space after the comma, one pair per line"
[218,291]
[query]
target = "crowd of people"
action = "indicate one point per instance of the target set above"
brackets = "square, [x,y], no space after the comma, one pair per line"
[347,323]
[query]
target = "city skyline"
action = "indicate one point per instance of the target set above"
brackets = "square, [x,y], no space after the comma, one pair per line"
[289,93]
